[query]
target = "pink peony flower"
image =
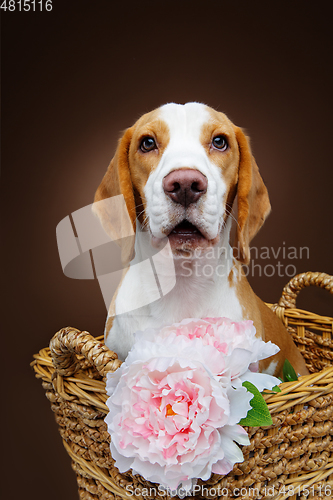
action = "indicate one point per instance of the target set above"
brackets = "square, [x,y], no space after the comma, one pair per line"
[171,421]
[176,401]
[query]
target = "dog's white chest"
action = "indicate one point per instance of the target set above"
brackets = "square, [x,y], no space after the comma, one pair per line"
[193,296]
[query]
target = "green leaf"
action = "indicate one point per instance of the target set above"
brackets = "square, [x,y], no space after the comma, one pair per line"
[259,414]
[288,372]
[276,388]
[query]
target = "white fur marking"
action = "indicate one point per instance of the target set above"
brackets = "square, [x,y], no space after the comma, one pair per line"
[270,370]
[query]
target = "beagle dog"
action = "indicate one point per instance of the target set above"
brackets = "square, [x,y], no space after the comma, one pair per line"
[179,169]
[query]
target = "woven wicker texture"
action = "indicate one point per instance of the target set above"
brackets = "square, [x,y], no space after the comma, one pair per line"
[293,458]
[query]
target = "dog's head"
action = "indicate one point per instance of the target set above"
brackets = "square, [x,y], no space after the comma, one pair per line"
[179,169]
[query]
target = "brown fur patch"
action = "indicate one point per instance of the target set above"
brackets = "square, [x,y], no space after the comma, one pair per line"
[268,327]
[253,200]
[275,332]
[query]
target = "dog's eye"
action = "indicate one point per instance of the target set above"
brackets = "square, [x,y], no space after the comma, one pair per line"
[220,142]
[147,144]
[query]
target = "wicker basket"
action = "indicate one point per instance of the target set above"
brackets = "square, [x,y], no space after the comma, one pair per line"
[293,458]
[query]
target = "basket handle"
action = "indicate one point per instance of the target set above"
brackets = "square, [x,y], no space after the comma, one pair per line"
[69,342]
[300,281]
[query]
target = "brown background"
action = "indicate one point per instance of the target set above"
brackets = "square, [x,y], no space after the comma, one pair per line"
[72,79]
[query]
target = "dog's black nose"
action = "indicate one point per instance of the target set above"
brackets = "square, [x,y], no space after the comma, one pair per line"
[185,186]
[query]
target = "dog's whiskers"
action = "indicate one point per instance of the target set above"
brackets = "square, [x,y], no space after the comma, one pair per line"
[228,210]
[139,214]
[145,222]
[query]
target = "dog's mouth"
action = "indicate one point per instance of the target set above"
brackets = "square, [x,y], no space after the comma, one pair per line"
[185,236]
[185,230]
[186,239]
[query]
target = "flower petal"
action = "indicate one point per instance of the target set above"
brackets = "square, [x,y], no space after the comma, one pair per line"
[260,380]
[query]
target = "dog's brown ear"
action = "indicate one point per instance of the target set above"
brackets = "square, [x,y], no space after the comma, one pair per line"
[117,179]
[253,200]
[118,215]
